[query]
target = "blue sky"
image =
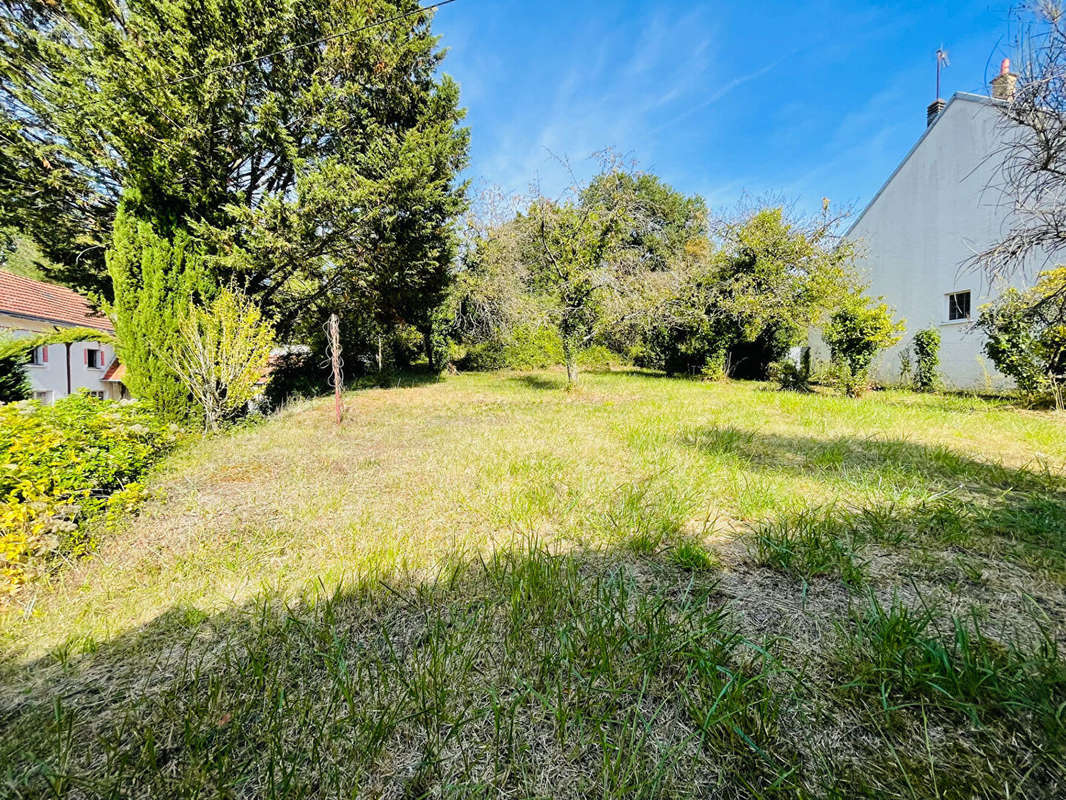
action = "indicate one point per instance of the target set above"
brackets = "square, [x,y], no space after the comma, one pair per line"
[800,100]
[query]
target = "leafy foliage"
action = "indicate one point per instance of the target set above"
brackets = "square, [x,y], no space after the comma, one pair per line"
[926,359]
[21,347]
[302,169]
[790,376]
[753,298]
[14,384]
[1026,335]
[221,354]
[855,335]
[595,266]
[62,465]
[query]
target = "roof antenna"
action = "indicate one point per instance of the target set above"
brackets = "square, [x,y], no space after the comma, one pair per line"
[941,62]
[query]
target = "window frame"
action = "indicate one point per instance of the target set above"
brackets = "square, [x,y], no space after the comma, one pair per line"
[949,297]
[94,354]
[38,356]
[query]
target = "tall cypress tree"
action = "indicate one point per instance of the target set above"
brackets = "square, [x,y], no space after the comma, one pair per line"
[157,271]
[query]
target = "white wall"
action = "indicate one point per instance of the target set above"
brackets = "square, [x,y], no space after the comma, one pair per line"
[917,234]
[52,376]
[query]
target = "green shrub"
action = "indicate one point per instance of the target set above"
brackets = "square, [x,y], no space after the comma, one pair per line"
[61,465]
[157,270]
[855,335]
[482,357]
[527,347]
[220,354]
[792,377]
[926,359]
[1027,336]
[598,357]
[531,347]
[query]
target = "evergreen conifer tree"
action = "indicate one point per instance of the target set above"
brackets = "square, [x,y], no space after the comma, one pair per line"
[157,271]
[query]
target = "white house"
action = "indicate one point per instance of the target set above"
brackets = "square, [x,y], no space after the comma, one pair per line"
[28,308]
[936,210]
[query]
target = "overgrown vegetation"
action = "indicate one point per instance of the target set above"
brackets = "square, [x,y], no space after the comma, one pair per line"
[1026,336]
[14,383]
[63,465]
[321,179]
[855,335]
[221,355]
[926,346]
[633,266]
[657,588]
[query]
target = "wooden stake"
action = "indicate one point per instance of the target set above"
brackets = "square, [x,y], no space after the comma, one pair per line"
[335,361]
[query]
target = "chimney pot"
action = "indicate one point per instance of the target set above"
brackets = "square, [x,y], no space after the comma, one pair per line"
[1004,85]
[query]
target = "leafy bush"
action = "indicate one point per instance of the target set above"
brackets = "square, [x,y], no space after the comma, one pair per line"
[1027,336]
[855,335]
[790,376]
[532,347]
[61,465]
[527,347]
[220,353]
[598,357]
[926,359]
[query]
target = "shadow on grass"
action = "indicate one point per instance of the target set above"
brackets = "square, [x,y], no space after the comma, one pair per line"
[1003,512]
[531,674]
[404,379]
[874,457]
[536,380]
[591,673]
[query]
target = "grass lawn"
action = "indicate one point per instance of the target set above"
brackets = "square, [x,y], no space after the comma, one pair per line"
[489,587]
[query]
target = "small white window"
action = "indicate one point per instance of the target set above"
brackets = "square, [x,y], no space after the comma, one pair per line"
[94,359]
[958,306]
[44,398]
[97,395]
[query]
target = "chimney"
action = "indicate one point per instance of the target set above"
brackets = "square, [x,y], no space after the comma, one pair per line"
[1004,84]
[934,109]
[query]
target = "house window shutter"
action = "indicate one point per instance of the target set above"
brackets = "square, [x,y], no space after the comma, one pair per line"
[85,352]
[44,354]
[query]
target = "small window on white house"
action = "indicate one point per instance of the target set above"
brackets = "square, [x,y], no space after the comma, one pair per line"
[97,395]
[94,359]
[44,398]
[39,356]
[958,306]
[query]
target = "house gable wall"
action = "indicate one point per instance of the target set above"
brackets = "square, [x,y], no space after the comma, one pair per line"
[936,211]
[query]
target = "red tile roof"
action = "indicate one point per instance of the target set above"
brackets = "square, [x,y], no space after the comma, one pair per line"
[116,372]
[25,297]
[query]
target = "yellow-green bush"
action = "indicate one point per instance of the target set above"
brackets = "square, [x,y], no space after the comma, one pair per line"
[62,465]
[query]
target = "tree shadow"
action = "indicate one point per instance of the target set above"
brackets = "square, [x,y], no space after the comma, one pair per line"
[1001,511]
[939,467]
[535,380]
[405,379]
[493,676]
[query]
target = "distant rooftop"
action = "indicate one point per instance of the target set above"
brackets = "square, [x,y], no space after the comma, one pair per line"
[46,302]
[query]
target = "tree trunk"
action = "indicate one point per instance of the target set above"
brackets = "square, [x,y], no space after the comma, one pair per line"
[570,359]
[427,341]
